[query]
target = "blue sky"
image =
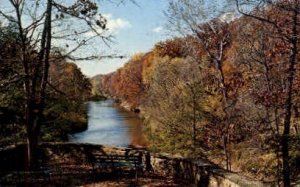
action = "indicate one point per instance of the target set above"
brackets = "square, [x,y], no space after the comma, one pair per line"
[136,29]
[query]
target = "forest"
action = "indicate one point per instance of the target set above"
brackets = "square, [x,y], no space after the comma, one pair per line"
[228,90]
[224,88]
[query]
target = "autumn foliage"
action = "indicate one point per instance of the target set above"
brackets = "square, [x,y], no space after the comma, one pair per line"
[228,92]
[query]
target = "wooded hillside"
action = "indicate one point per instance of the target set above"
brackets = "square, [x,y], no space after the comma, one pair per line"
[229,91]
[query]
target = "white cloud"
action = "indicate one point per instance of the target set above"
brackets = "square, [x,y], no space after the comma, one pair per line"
[228,17]
[157,29]
[113,26]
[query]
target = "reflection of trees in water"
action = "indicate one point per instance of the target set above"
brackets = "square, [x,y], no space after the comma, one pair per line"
[110,124]
[135,127]
[136,131]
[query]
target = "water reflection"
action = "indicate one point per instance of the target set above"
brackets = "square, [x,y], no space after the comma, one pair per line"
[110,125]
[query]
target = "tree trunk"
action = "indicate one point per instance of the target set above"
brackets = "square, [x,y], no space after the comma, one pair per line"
[225,149]
[289,104]
[194,121]
[32,135]
[37,92]
[32,142]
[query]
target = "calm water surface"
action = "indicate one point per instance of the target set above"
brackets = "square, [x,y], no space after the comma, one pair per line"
[108,124]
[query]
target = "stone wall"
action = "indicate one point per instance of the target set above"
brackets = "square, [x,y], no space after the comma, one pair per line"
[199,172]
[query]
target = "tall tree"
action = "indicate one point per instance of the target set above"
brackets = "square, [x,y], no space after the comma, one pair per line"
[283,19]
[196,17]
[37,26]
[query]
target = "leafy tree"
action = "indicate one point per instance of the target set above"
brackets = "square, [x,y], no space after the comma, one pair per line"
[35,43]
[214,37]
[173,103]
[282,19]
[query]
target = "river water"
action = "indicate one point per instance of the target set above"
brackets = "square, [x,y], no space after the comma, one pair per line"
[109,124]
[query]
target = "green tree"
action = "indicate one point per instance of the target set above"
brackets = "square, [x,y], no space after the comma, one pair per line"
[174,104]
[35,44]
[213,36]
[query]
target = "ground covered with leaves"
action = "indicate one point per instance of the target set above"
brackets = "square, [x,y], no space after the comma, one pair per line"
[89,180]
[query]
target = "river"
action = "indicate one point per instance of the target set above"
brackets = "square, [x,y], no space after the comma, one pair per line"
[109,124]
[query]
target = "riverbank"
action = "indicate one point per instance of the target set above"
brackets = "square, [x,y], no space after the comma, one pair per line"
[58,123]
[167,168]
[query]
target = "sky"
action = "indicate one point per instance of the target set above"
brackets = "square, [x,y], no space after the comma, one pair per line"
[136,28]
